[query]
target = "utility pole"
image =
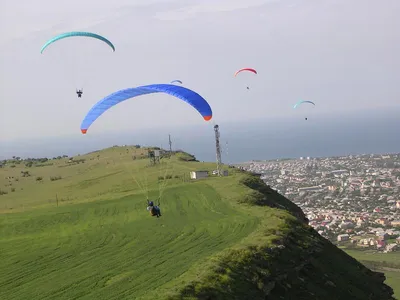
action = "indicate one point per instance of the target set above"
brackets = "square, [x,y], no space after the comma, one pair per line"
[170,144]
[218,149]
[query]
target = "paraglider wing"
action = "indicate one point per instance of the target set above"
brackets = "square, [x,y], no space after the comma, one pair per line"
[189,96]
[76,33]
[173,81]
[246,69]
[300,102]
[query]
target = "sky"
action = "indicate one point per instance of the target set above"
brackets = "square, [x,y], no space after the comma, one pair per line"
[341,54]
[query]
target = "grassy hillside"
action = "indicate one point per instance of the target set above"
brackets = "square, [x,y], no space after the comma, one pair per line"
[78,229]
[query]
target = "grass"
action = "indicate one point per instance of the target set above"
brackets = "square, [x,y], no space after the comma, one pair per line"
[387,263]
[100,242]
[113,249]
[78,229]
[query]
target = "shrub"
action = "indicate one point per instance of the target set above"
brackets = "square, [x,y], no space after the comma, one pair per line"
[39,178]
[54,178]
[183,156]
[25,174]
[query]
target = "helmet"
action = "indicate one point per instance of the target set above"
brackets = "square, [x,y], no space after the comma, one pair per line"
[151,203]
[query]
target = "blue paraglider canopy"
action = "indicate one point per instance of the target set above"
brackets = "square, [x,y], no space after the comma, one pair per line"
[185,94]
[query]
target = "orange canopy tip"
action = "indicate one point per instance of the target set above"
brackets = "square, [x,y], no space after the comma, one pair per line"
[207,118]
[83,131]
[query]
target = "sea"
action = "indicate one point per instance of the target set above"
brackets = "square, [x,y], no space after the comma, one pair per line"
[336,134]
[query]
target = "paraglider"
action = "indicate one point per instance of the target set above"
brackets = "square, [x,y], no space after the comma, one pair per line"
[73,64]
[154,209]
[75,34]
[301,102]
[178,81]
[245,69]
[189,96]
[79,93]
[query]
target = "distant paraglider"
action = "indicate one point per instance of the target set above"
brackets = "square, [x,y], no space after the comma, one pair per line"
[245,69]
[189,96]
[301,102]
[77,34]
[176,81]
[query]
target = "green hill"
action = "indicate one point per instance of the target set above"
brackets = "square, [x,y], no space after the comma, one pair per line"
[78,229]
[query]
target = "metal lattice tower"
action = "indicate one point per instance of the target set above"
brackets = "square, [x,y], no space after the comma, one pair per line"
[218,149]
[170,143]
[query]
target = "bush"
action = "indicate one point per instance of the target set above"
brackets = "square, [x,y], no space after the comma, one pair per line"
[183,156]
[39,178]
[253,198]
[177,176]
[25,174]
[168,177]
[54,178]
[160,177]
[3,192]
[12,189]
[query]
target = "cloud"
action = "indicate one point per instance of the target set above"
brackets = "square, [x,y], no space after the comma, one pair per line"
[210,6]
[25,18]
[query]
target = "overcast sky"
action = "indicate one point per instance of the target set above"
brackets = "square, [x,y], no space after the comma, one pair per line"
[341,54]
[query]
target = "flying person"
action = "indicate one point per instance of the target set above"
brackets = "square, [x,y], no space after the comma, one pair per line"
[245,69]
[79,93]
[154,209]
[306,119]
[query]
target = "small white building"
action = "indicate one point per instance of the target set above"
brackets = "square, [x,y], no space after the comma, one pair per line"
[343,237]
[198,174]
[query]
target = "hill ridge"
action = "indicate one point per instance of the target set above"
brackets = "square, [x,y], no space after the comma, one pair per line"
[271,252]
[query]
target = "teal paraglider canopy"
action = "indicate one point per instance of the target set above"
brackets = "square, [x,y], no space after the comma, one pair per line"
[185,94]
[301,101]
[74,34]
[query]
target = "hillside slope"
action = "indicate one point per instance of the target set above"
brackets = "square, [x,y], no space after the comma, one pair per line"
[78,229]
[287,261]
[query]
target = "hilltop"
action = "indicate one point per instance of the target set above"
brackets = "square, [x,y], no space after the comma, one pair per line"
[77,228]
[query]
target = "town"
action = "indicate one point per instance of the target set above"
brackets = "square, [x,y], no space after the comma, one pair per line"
[351,200]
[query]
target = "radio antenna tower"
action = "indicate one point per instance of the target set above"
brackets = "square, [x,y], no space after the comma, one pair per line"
[170,143]
[218,149]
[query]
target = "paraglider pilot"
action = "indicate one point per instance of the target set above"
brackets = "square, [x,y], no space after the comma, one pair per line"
[306,119]
[154,209]
[79,93]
